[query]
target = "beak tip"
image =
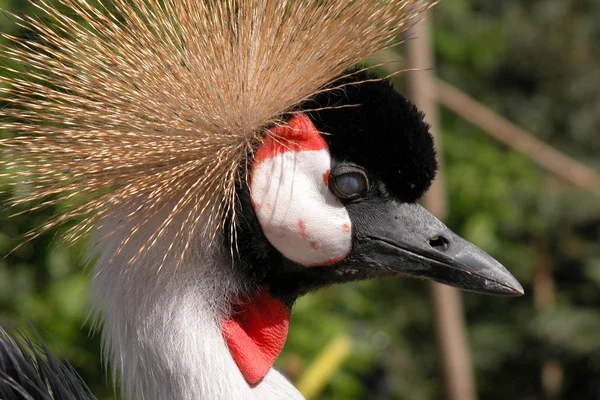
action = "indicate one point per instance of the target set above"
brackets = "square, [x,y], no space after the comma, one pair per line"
[518,290]
[500,283]
[511,287]
[496,289]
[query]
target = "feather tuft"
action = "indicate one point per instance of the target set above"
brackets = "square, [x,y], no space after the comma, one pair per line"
[30,371]
[145,105]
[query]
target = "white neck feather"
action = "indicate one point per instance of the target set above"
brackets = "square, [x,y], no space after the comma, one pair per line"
[162,334]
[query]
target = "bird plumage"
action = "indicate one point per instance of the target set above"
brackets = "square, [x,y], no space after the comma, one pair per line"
[29,371]
[150,101]
[225,160]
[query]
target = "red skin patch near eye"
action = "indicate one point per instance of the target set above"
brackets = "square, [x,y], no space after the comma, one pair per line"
[302,227]
[326,178]
[334,260]
[299,134]
[346,228]
[330,262]
[256,333]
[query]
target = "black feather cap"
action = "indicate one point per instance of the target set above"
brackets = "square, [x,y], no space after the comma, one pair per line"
[379,129]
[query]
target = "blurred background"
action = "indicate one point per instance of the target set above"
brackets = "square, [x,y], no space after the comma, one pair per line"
[534,63]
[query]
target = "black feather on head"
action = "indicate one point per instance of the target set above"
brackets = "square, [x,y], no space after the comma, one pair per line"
[380,130]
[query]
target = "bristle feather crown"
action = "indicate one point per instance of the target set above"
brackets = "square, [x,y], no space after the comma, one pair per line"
[144,105]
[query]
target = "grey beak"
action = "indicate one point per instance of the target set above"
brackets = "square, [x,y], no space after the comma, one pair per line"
[411,241]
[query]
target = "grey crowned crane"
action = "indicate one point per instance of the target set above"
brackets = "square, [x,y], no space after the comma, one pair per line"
[226,159]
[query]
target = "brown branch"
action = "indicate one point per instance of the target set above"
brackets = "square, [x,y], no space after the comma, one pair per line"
[446,301]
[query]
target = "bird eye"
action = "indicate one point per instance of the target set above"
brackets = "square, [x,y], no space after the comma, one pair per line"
[348,182]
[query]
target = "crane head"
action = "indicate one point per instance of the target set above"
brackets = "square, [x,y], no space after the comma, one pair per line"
[332,197]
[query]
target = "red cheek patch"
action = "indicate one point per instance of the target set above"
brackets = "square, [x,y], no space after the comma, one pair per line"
[256,333]
[334,260]
[329,262]
[299,134]
[326,178]
[302,229]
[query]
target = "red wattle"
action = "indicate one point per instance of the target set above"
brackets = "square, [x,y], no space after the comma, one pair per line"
[256,333]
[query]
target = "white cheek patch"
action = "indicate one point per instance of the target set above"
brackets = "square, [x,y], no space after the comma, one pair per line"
[296,210]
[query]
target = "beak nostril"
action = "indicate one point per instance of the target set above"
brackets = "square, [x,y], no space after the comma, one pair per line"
[439,243]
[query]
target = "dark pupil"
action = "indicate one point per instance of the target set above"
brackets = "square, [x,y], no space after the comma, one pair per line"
[350,183]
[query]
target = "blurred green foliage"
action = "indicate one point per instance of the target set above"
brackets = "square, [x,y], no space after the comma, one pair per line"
[535,62]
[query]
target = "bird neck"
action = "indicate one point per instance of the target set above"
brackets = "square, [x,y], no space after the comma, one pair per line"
[162,330]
